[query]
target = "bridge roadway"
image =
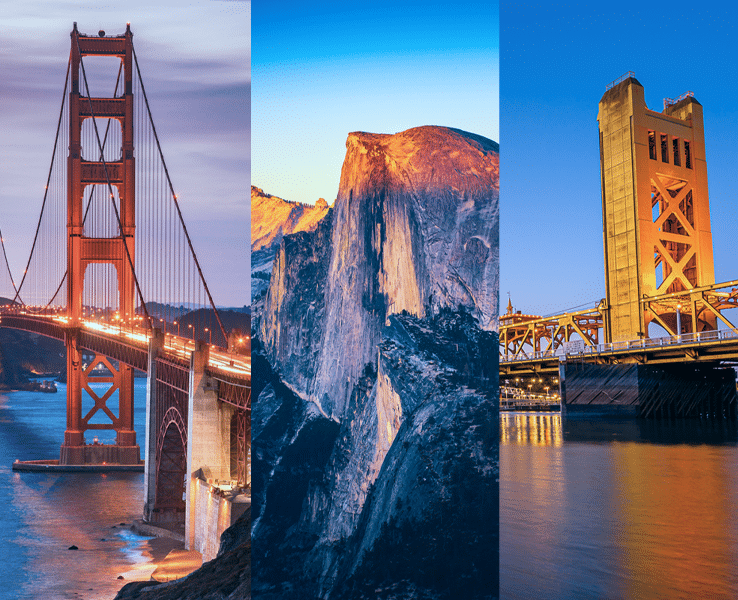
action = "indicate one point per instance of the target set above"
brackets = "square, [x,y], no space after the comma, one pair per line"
[707,346]
[128,344]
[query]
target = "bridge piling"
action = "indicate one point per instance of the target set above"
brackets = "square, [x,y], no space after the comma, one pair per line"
[208,451]
[648,391]
[156,343]
[72,451]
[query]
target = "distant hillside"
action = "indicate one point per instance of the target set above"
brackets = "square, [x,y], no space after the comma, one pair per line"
[202,318]
[272,218]
[165,311]
[24,354]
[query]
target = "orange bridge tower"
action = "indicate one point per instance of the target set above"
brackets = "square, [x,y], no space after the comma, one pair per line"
[118,179]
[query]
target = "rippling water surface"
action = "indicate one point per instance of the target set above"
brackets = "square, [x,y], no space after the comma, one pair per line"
[42,515]
[617,509]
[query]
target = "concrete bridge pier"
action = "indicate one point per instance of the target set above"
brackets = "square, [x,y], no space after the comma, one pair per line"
[193,480]
[701,390]
[207,512]
[156,343]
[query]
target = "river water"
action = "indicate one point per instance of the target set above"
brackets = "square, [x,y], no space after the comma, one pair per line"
[620,509]
[42,515]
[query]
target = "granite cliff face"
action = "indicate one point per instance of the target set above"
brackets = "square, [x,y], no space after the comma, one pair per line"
[375,373]
[429,525]
[415,229]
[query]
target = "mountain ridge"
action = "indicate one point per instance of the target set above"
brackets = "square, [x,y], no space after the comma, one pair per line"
[272,217]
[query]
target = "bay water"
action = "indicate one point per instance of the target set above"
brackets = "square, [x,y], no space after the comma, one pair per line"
[42,515]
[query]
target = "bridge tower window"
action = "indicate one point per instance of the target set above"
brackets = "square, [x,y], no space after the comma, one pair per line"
[652,145]
[664,149]
[687,155]
[677,154]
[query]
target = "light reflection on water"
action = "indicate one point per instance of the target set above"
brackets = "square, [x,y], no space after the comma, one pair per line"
[536,429]
[621,509]
[42,515]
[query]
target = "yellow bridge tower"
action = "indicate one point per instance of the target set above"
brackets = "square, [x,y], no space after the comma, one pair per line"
[655,210]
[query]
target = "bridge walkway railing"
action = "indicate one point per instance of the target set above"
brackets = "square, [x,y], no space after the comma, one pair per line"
[691,339]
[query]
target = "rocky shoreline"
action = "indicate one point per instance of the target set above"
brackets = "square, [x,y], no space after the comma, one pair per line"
[226,577]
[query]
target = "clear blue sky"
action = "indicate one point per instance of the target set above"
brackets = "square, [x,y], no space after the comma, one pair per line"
[322,71]
[195,61]
[556,60]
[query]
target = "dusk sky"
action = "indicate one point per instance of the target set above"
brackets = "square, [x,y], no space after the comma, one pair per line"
[195,62]
[555,63]
[322,71]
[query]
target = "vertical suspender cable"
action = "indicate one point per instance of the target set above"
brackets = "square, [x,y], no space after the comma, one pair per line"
[176,203]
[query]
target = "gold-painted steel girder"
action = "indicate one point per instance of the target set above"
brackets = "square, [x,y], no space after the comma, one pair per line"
[523,336]
[518,331]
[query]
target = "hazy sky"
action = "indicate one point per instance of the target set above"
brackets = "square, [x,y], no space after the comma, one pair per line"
[322,71]
[556,60]
[195,62]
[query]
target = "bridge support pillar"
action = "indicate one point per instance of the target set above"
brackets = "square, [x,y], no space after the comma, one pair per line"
[655,209]
[156,343]
[648,391]
[73,450]
[85,249]
[208,446]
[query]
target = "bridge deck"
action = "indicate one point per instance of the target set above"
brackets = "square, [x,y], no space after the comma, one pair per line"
[707,346]
[130,345]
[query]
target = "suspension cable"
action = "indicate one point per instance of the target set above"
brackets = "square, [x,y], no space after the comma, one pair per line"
[176,203]
[48,179]
[7,265]
[58,289]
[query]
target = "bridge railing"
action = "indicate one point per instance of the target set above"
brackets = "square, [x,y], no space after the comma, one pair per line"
[620,79]
[703,337]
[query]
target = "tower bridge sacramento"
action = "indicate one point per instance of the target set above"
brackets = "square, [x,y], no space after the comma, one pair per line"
[129,291]
[611,360]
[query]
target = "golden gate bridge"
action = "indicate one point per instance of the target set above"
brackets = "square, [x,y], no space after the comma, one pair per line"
[112,272]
